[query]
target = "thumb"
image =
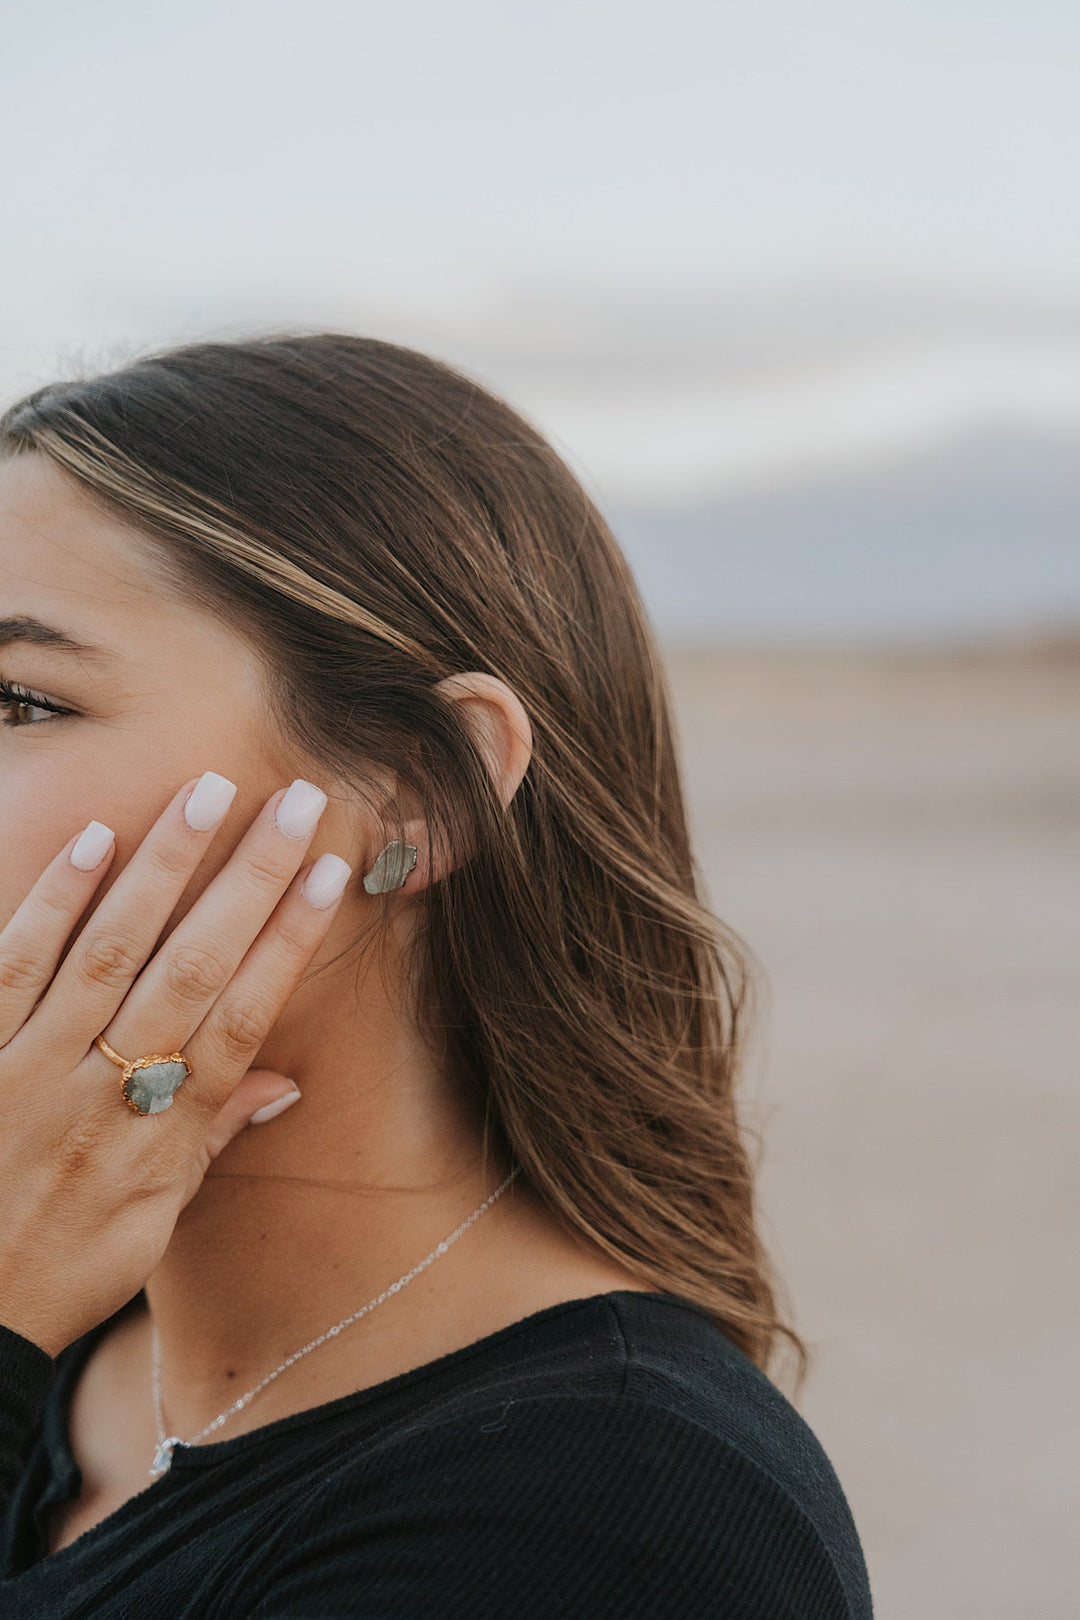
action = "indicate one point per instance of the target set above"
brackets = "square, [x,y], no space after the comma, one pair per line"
[261,1095]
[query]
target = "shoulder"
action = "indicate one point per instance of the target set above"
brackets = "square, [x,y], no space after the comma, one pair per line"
[746,1448]
[627,1459]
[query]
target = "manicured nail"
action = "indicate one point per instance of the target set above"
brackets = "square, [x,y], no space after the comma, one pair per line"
[326,881]
[298,812]
[208,801]
[91,846]
[272,1110]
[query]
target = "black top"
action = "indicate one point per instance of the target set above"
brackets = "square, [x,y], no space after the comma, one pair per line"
[612,1456]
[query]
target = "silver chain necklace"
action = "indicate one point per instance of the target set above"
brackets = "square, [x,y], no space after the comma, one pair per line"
[163,1455]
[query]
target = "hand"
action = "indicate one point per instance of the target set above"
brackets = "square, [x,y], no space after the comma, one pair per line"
[90,1191]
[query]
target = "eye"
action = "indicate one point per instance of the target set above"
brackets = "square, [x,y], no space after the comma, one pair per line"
[20,698]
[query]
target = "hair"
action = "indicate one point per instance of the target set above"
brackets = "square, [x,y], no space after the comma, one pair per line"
[373,521]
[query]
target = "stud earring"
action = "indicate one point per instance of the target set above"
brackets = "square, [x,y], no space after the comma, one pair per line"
[392,867]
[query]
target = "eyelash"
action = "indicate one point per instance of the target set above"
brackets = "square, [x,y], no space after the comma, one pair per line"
[21,696]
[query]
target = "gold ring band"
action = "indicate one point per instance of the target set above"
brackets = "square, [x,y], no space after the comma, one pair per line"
[153,1092]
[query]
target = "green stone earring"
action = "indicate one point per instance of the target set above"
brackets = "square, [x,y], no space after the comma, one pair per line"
[392,868]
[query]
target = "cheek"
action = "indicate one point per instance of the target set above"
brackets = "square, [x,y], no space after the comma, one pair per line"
[45,799]
[124,778]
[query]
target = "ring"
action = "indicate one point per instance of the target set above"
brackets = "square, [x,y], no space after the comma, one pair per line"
[149,1083]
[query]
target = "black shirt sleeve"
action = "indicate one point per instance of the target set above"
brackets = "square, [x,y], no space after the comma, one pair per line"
[26,1375]
[576,1507]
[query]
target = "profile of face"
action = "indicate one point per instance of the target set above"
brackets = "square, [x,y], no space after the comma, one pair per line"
[161,692]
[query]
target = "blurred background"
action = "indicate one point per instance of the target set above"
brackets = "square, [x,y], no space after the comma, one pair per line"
[794,288]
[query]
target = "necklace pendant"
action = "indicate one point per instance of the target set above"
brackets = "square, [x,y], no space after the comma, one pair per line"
[163,1455]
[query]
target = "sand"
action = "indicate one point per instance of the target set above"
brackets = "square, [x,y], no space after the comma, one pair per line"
[897,835]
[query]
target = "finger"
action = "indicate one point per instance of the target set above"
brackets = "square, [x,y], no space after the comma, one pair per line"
[105,958]
[223,1048]
[34,938]
[177,988]
[226,1044]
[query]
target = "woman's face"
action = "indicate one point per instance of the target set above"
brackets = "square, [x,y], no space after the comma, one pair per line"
[161,693]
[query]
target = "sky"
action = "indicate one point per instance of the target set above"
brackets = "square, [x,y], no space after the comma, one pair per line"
[606,139]
[454,169]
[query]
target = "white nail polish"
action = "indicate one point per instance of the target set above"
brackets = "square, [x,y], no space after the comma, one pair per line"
[91,846]
[272,1110]
[298,812]
[326,881]
[208,801]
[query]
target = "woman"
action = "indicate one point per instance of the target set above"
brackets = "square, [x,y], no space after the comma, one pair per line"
[342,696]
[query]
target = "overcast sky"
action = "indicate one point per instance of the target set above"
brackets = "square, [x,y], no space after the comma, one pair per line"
[337,139]
[168,168]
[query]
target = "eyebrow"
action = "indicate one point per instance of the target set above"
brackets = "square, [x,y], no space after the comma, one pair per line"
[33,631]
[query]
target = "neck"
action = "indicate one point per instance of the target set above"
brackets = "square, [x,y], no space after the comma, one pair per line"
[300,1222]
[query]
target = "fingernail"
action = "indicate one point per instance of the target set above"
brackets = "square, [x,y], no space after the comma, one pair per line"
[271,1110]
[298,812]
[208,801]
[326,881]
[91,846]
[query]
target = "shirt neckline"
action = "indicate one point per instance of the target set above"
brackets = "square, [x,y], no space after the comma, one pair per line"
[205,1455]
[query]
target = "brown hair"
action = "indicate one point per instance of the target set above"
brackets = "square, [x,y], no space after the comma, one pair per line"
[374,521]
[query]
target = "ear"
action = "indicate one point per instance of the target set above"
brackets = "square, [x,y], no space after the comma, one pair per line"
[502,732]
[499,724]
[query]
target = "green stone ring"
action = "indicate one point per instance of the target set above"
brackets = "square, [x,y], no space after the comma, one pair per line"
[149,1083]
